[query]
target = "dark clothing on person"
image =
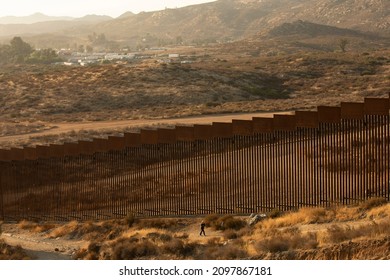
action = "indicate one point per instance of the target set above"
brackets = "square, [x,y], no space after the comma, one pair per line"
[202,226]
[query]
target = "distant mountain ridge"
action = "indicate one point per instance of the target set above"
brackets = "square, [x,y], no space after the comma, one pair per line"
[39,17]
[223,20]
[239,18]
[34,18]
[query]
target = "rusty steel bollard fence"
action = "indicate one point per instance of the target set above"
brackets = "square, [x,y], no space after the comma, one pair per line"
[329,157]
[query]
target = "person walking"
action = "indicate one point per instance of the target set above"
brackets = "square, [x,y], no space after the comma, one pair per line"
[202,226]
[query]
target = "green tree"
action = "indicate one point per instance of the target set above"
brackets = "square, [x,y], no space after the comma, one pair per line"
[44,56]
[20,50]
[16,52]
[5,53]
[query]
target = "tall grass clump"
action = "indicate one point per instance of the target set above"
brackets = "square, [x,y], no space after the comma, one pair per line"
[169,224]
[130,219]
[35,227]
[382,211]
[8,252]
[287,240]
[338,234]
[131,249]
[373,203]
[227,222]
[302,216]
[179,248]
[225,251]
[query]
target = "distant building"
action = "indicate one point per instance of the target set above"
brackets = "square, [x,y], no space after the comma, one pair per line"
[174,55]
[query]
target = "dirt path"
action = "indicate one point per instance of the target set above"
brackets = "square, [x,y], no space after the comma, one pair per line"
[38,246]
[59,128]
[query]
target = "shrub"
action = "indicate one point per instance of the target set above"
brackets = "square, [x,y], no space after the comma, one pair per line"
[8,252]
[302,216]
[275,213]
[379,212]
[229,222]
[372,203]
[92,253]
[287,242]
[337,234]
[211,219]
[130,219]
[274,245]
[179,248]
[127,249]
[182,235]
[228,251]
[154,236]
[224,222]
[169,224]
[35,227]
[230,234]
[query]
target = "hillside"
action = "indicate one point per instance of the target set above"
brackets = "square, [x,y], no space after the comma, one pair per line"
[233,19]
[223,20]
[308,36]
[341,233]
[306,28]
[238,77]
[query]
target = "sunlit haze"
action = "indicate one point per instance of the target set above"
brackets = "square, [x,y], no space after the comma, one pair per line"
[77,8]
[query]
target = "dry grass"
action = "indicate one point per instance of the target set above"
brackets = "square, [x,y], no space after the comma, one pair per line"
[8,252]
[96,231]
[35,227]
[302,216]
[308,233]
[379,212]
[338,234]
[224,222]
[287,241]
[273,238]
[169,224]
[373,203]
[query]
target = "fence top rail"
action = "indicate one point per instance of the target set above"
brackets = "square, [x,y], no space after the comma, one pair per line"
[204,132]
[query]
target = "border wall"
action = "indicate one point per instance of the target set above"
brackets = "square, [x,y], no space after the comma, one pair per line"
[331,156]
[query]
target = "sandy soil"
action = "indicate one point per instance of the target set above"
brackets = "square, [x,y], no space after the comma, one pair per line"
[38,246]
[60,128]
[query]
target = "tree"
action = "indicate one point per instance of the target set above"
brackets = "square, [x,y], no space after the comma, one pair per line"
[80,48]
[5,53]
[17,51]
[343,44]
[89,49]
[20,48]
[44,56]
[179,40]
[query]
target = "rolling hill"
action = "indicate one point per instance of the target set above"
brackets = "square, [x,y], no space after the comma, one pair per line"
[223,20]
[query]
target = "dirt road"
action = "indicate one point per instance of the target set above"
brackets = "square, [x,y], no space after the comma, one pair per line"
[60,128]
[38,246]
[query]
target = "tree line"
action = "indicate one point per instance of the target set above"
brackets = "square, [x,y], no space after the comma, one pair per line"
[18,51]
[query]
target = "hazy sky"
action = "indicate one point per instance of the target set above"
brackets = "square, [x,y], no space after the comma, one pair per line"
[78,8]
